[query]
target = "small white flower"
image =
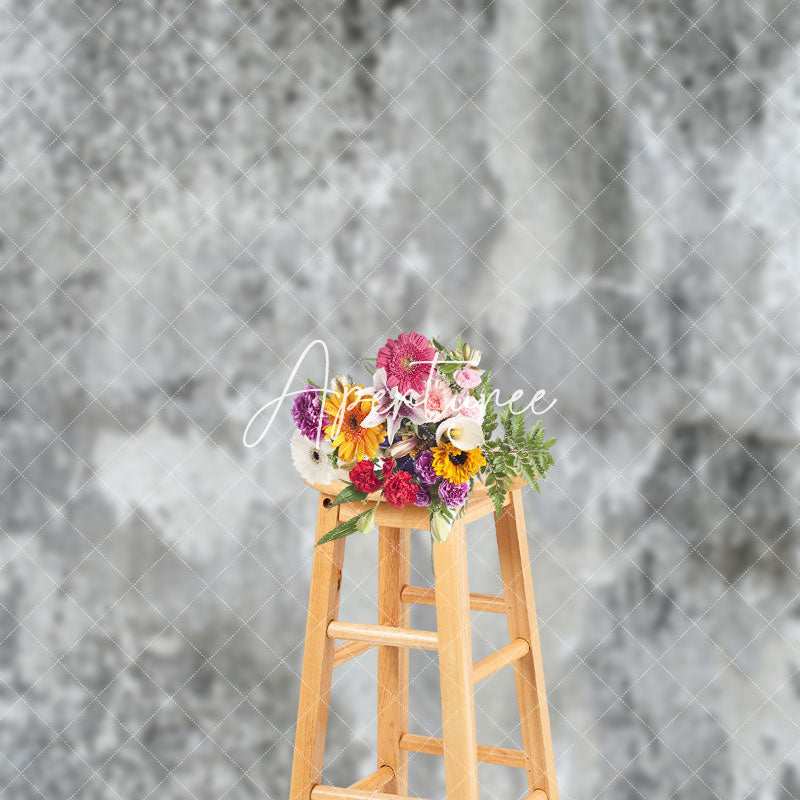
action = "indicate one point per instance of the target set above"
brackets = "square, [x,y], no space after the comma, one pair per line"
[461,431]
[312,462]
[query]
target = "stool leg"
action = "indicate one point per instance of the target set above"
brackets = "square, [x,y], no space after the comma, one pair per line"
[455,666]
[393,573]
[315,683]
[512,546]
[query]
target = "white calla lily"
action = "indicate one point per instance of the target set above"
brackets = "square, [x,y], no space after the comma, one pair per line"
[440,528]
[463,432]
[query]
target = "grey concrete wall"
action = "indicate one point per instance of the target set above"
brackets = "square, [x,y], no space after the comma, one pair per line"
[602,196]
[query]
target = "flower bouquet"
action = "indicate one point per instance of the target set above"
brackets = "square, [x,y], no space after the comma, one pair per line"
[422,434]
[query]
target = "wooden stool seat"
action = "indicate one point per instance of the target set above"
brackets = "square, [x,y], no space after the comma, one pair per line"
[452,640]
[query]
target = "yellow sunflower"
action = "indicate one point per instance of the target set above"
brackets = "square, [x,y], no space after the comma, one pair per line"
[457,466]
[346,410]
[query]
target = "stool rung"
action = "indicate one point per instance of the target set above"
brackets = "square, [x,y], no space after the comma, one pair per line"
[333,793]
[499,659]
[414,743]
[376,781]
[344,652]
[477,602]
[383,634]
[537,795]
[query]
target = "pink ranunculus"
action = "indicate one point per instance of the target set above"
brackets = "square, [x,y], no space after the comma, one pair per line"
[468,406]
[467,378]
[437,400]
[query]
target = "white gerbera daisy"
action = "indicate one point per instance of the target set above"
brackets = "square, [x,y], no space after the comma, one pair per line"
[312,462]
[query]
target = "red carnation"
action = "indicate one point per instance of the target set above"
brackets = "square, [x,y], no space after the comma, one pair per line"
[364,478]
[388,467]
[399,490]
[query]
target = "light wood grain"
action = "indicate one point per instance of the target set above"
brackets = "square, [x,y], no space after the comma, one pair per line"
[477,602]
[407,517]
[479,505]
[315,682]
[453,641]
[512,546]
[455,665]
[344,652]
[412,516]
[500,658]
[491,755]
[394,566]
[376,781]
[320,792]
[478,488]
[383,634]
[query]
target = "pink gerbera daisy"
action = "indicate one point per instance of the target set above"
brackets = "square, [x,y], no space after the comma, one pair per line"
[404,360]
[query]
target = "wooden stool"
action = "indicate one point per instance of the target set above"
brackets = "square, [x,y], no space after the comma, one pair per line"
[452,640]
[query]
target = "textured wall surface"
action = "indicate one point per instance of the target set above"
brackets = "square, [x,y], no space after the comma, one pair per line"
[603,196]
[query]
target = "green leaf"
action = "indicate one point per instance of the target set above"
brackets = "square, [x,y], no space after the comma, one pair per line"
[348,495]
[489,421]
[344,529]
[448,369]
[497,494]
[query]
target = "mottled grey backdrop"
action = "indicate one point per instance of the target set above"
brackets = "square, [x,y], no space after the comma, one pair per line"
[602,195]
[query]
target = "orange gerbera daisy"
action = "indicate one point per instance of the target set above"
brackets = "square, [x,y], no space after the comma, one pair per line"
[347,410]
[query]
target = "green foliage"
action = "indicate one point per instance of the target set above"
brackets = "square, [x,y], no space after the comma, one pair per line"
[448,370]
[438,507]
[345,528]
[348,495]
[446,355]
[483,392]
[519,453]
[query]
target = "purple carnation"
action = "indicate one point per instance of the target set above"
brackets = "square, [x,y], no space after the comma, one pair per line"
[454,495]
[423,466]
[306,411]
[423,496]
